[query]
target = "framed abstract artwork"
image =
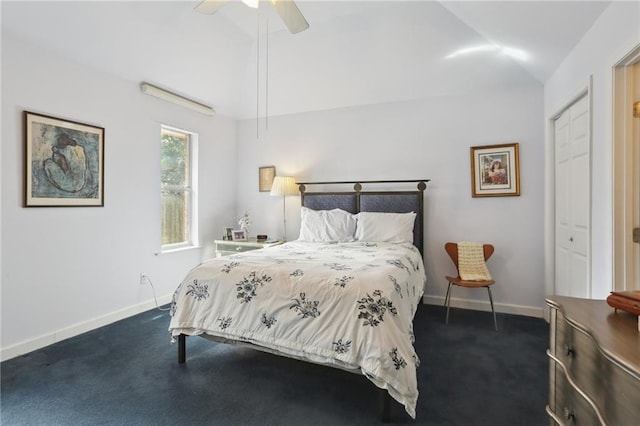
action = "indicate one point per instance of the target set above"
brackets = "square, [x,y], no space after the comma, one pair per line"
[64,164]
[494,170]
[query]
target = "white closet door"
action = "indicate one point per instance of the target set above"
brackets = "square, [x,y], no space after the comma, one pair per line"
[573,198]
[634,263]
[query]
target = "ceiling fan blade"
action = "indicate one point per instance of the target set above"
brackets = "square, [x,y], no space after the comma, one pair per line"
[209,7]
[291,15]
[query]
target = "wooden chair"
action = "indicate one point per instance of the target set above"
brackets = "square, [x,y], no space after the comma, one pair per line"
[452,251]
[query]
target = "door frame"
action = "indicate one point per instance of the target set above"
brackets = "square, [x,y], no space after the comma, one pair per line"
[623,179]
[584,89]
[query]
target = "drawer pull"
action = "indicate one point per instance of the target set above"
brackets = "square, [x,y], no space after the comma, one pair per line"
[568,414]
[575,386]
[569,350]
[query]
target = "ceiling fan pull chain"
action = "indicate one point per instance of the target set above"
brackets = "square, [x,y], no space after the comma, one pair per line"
[266,83]
[258,75]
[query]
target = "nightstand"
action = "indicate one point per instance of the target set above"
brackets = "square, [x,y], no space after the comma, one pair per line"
[227,247]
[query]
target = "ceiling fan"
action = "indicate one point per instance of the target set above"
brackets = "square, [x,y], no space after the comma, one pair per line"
[287,9]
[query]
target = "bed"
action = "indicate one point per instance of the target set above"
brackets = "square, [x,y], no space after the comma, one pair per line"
[343,295]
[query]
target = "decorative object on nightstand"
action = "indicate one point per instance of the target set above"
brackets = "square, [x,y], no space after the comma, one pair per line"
[227,233]
[283,186]
[225,247]
[239,235]
[244,221]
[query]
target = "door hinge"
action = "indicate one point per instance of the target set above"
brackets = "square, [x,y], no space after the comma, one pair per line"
[636,235]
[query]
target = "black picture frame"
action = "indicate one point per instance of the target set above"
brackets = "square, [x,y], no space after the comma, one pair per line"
[64,162]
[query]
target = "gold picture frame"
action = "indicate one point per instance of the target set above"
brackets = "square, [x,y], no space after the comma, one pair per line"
[265,178]
[495,170]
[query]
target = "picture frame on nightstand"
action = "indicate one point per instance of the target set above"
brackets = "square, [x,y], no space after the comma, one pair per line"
[227,233]
[239,235]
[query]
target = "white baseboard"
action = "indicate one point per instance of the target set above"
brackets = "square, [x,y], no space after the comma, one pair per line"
[476,305]
[77,329]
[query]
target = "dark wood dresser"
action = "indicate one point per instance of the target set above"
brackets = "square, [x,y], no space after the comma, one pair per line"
[594,364]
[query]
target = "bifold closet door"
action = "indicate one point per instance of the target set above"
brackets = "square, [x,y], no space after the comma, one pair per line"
[573,200]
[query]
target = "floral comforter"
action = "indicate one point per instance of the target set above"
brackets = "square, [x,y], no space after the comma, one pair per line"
[349,305]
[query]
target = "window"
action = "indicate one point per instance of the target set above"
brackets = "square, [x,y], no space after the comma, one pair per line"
[177,188]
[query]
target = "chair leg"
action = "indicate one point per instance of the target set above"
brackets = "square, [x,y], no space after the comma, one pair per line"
[495,322]
[447,301]
[446,297]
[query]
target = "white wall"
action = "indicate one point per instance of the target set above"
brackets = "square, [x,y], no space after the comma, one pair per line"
[615,33]
[415,140]
[66,270]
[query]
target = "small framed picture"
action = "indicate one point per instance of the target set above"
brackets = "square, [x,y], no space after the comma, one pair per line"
[265,178]
[227,233]
[494,171]
[239,235]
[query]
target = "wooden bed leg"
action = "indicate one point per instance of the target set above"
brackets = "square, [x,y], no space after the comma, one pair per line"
[385,404]
[182,348]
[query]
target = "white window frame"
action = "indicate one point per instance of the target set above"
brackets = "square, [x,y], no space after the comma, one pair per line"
[192,189]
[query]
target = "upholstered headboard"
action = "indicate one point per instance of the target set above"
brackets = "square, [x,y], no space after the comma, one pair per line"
[357,200]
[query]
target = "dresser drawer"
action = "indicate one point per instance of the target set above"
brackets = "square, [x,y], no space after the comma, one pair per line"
[621,404]
[226,247]
[570,405]
[583,360]
[233,248]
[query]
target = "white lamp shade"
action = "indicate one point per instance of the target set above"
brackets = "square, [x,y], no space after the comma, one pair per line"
[284,185]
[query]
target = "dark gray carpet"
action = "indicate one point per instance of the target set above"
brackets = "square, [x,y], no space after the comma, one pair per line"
[127,374]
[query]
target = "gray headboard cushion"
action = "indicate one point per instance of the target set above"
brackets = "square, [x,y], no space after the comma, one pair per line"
[387,201]
[327,201]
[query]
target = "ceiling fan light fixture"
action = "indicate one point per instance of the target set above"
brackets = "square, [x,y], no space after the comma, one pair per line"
[251,3]
[286,9]
[290,15]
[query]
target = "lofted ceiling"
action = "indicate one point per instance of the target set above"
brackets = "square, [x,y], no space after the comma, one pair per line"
[354,53]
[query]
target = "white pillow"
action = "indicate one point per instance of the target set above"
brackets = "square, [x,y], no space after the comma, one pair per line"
[326,225]
[385,227]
